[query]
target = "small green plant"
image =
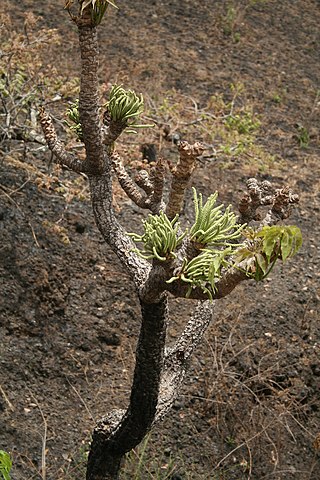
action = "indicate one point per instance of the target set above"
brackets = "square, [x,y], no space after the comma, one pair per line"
[213,234]
[99,8]
[73,115]
[303,136]
[160,237]
[230,441]
[5,465]
[125,106]
[236,37]
[276,98]
[212,227]
[244,123]
[266,246]
[229,20]
[203,271]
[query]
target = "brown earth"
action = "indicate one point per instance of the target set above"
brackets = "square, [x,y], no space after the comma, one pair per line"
[69,316]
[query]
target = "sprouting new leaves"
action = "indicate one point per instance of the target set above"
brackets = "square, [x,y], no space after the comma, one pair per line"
[266,246]
[73,115]
[214,232]
[99,8]
[213,227]
[160,237]
[285,239]
[125,106]
[203,271]
[5,465]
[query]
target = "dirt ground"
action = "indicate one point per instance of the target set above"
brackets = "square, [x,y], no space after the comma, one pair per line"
[69,317]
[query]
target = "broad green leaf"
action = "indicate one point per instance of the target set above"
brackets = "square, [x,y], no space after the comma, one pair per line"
[286,245]
[296,233]
[289,238]
[262,262]
[271,236]
[269,244]
[271,232]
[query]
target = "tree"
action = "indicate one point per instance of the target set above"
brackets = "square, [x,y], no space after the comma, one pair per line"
[204,263]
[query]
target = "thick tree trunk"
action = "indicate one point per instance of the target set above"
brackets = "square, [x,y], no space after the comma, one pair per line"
[117,434]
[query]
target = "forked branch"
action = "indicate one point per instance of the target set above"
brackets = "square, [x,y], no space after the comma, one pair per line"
[260,194]
[147,191]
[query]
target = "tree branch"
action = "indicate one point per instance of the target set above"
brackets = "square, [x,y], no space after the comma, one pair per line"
[283,201]
[181,175]
[89,94]
[151,196]
[55,145]
[143,181]
[177,358]
[126,182]
[157,177]
[96,160]
[111,130]
[113,232]
[261,194]
[155,284]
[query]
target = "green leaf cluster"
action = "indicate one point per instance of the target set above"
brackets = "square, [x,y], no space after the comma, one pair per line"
[5,465]
[160,237]
[99,8]
[203,271]
[285,241]
[125,106]
[214,233]
[266,246]
[73,115]
[212,226]
[12,85]
[244,124]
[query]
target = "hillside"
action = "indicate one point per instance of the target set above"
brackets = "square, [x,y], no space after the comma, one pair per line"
[68,314]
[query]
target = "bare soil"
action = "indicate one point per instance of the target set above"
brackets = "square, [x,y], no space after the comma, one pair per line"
[69,317]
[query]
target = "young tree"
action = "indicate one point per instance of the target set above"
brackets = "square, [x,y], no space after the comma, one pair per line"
[204,264]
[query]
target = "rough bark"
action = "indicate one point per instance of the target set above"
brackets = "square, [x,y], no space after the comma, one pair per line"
[62,156]
[112,439]
[157,381]
[89,95]
[150,191]
[177,358]
[181,175]
[112,231]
